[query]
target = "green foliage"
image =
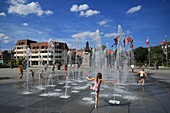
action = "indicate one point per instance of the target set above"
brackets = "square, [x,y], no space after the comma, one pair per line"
[141,55]
[157,55]
[20,60]
[103,47]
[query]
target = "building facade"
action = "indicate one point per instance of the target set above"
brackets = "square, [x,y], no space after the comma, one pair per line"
[41,53]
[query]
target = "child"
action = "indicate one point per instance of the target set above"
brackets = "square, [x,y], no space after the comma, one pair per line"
[142,77]
[41,77]
[20,72]
[98,80]
[32,74]
[65,69]
[41,74]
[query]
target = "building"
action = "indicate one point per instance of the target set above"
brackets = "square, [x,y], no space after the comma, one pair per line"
[41,53]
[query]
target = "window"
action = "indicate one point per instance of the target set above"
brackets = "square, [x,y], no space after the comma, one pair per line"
[21,43]
[44,56]
[19,52]
[42,47]
[58,56]
[34,56]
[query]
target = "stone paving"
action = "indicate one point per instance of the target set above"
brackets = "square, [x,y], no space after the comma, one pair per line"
[153,98]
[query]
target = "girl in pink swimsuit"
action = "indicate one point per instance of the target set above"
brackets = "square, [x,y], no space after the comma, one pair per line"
[96,87]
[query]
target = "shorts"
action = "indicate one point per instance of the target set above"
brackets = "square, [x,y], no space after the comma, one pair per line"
[98,90]
[142,77]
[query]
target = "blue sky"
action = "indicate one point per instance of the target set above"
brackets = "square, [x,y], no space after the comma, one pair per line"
[65,20]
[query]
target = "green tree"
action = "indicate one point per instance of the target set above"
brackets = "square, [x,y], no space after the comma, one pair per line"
[157,56]
[103,47]
[141,55]
[168,56]
[20,60]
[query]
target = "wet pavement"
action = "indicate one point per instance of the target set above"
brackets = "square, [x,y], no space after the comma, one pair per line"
[153,98]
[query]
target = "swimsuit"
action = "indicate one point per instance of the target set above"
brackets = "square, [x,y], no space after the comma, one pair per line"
[142,75]
[96,86]
[20,75]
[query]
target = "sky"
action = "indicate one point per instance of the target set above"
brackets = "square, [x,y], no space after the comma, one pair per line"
[72,21]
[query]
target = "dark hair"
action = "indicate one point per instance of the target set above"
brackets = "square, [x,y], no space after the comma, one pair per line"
[99,76]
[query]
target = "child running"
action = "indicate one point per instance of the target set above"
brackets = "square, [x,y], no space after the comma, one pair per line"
[142,77]
[96,87]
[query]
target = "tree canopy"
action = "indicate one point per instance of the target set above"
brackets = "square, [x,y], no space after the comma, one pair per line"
[141,55]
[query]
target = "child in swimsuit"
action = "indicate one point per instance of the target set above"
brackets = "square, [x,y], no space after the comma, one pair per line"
[142,77]
[96,87]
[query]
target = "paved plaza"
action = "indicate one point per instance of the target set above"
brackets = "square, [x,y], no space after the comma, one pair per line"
[153,98]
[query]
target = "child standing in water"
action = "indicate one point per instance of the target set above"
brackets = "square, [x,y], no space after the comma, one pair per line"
[98,80]
[32,74]
[20,72]
[41,77]
[65,69]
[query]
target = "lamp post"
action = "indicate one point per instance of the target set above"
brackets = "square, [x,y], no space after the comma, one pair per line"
[76,50]
[166,50]
[149,57]
[11,59]
[166,46]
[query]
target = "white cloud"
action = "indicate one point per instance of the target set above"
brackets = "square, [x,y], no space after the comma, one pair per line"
[83,7]
[82,13]
[4,38]
[89,13]
[83,35]
[103,22]
[25,24]
[21,8]
[84,10]
[14,2]
[76,8]
[48,12]
[109,35]
[134,9]
[2,14]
